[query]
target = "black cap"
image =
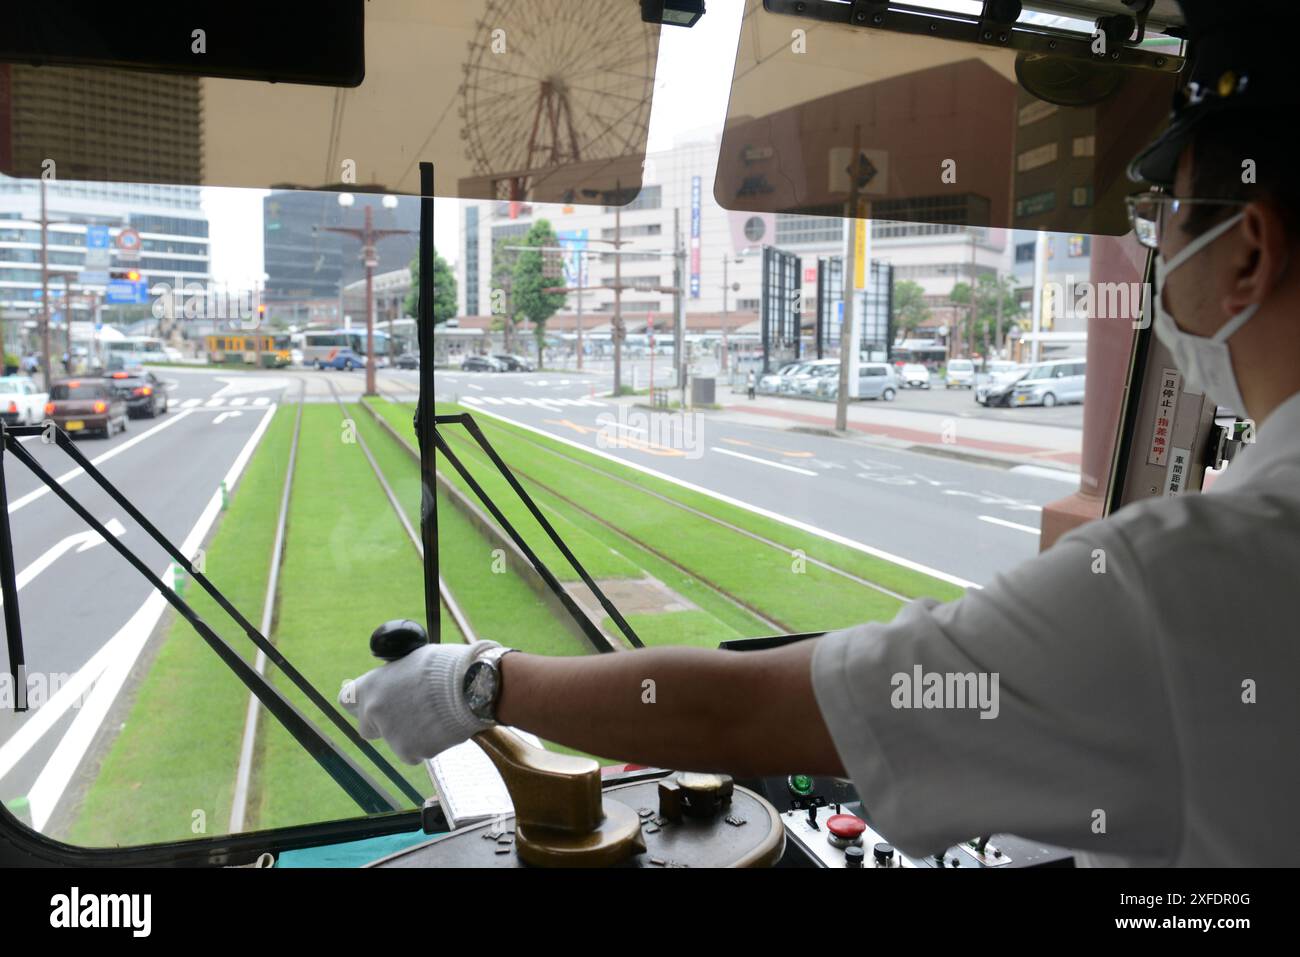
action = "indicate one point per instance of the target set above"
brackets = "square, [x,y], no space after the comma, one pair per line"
[1242,56]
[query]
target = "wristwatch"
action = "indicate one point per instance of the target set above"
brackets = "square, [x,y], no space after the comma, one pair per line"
[482,687]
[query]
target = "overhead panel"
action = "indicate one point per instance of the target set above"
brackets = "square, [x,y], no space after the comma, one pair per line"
[536,100]
[945,126]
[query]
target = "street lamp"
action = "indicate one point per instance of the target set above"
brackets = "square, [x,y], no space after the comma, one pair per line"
[727,261]
[368,236]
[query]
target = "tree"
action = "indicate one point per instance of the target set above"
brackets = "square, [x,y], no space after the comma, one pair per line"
[444,290]
[987,291]
[502,297]
[531,300]
[910,307]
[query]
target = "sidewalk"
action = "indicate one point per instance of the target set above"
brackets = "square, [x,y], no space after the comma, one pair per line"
[997,440]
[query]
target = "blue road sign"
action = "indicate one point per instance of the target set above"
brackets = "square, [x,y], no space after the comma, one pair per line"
[123,292]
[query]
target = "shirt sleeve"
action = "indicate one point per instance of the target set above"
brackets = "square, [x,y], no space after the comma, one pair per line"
[1051,719]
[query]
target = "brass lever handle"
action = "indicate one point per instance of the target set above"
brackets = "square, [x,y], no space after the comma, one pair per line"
[561,816]
[550,790]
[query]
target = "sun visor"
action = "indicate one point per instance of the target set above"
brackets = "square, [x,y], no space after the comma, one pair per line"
[544,101]
[947,131]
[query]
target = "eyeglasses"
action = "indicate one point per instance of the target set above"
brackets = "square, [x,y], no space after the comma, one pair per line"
[1150,212]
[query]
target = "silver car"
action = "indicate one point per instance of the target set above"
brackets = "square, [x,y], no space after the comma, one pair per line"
[876,380]
[1050,383]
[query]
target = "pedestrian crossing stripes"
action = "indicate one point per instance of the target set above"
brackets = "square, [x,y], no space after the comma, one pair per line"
[261,400]
[548,404]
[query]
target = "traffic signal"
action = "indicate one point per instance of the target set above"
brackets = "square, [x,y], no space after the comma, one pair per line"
[125,275]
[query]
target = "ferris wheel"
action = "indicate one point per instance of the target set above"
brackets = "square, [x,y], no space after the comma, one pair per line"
[553,82]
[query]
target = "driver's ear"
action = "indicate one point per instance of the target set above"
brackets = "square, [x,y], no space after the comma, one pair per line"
[1259,259]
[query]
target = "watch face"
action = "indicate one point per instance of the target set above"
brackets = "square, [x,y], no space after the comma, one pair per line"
[481,683]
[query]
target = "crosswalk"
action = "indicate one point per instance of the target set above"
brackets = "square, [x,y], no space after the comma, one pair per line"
[233,403]
[548,404]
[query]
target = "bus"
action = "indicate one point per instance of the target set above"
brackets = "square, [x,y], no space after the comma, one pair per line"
[133,351]
[322,346]
[244,349]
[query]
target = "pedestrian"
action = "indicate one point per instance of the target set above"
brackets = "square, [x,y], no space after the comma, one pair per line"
[749,383]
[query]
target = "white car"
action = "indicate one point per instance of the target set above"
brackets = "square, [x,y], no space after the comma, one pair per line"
[960,373]
[21,403]
[915,376]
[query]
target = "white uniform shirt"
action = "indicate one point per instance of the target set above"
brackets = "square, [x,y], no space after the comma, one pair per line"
[1125,725]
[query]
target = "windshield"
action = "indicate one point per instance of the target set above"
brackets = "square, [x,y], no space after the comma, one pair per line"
[659,291]
[77,390]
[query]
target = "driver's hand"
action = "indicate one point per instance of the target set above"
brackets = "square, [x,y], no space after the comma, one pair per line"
[417,703]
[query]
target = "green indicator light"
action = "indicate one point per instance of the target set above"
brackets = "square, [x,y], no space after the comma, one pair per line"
[801,784]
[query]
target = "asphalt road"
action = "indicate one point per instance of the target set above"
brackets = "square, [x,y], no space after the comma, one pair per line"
[76,594]
[961,519]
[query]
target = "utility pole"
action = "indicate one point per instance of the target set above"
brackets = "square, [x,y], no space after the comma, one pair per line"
[618,300]
[45,293]
[1040,277]
[970,332]
[582,256]
[679,307]
[848,338]
[368,237]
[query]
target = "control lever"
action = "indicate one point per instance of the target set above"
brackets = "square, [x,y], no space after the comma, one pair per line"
[561,816]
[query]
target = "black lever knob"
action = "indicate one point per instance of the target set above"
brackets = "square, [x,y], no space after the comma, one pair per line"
[397,639]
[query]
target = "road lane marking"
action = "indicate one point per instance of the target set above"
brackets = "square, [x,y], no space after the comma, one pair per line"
[747,506]
[69,475]
[770,448]
[226,415]
[190,403]
[1016,525]
[80,541]
[109,668]
[239,401]
[1040,471]
[755,458]
[472,385]
[261,400]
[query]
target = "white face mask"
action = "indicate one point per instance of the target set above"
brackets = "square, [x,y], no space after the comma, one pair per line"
[1204,361]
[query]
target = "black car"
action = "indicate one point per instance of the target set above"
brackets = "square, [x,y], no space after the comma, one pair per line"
[408,360]
[480,364]
[513,363]
[142,391]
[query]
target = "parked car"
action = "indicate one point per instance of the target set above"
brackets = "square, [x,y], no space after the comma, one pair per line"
[480,364]
[510,363]
[915,376]
[793,383]
[997,368]
[21,403]
[996,391]
[818,373]
[144,392]
[344,359]
[1051,383]
[959,373]
[770,384]
[86,405]
[876,380]
[408,360]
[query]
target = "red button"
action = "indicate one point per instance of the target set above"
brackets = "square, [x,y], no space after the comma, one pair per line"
[846,826]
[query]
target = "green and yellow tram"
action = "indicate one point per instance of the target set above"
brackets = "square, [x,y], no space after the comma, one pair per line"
[265,350]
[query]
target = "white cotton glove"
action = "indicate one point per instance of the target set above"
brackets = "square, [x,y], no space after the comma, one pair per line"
[417,703]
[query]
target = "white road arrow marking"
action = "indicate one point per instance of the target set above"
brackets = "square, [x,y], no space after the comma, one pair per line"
[226,415]
[81,542]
